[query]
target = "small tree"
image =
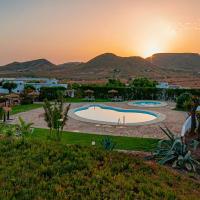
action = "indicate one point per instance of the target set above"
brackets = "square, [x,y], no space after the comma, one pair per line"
[56,116]
[29,88]
[24,128]
[114,83]
[143,82]
[9,86]
[184,100]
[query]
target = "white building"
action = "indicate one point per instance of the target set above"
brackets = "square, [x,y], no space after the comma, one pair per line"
[36,82]
[162,85]
[165,85]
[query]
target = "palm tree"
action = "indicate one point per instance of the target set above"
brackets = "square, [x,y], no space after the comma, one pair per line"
[55,115]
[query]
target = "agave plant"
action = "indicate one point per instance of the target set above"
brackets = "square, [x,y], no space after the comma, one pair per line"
[176,152]
[108,144]
[9,131]
[56,116]
[24,128]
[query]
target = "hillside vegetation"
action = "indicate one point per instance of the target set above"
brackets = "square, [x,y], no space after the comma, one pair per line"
[175,68]
[48,170]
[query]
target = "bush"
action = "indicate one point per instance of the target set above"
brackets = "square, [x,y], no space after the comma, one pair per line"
[137,93]
[183,100]
[34,169]
[175,152]
[108,144]
[143,82]
[51,93]
[26,100]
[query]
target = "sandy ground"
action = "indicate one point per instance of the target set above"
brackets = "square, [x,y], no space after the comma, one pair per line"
[174,121]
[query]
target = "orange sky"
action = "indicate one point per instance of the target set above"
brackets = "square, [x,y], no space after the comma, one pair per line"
[77,30]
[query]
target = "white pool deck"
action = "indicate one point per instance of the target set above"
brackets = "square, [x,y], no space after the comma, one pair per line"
[174,121]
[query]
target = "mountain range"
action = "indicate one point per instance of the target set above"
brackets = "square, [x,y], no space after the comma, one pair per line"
[177,68]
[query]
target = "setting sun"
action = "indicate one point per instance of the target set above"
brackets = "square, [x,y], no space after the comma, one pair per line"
[156,38]
[150,50]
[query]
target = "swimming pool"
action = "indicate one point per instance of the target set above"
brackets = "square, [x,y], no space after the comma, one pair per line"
[102,114]
[147,103]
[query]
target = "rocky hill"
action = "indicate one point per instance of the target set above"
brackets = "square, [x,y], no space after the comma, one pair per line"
[175,68]
[177,61]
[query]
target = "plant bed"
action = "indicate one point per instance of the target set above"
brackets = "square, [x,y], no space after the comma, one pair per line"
[35,169]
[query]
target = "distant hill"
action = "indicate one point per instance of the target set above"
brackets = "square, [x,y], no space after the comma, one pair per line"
[177,61]
[39,64]
[69,64]
[175,68]
[103,66]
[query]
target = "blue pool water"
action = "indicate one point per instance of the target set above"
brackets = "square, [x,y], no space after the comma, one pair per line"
[147,103]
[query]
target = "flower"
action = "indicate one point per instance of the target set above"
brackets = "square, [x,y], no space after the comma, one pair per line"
[93,143]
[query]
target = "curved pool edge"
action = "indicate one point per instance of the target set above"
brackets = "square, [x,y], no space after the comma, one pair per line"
[160,117]
[161,104]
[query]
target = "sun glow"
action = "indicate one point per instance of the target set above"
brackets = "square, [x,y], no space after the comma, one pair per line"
[157,38]
[150,50]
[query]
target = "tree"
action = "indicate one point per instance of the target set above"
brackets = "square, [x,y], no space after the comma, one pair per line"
[198,128]
[143,82]
[9,86]
[56,116]
[184,101]
[29,88]
[114,83]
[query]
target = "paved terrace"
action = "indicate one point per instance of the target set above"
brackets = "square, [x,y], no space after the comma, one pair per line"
[174,121]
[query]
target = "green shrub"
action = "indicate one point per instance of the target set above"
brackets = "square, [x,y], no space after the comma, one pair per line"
[51,93]
[143,82]
[108,144]
[56,116]
[183,100]
[177,153]
[24,128]
[34,169]
[131,92]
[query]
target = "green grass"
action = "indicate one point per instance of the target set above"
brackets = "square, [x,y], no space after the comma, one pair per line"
[40,169]
[85,139]
[23,108]
[79,100]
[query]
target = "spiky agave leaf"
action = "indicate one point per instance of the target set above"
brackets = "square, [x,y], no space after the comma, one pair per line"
[166,159]
[169,134]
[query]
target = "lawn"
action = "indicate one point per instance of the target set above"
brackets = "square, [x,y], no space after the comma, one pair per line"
[40,169]
[23,108]
[85,139]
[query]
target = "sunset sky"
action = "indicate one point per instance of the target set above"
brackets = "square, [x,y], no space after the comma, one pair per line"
[77,30]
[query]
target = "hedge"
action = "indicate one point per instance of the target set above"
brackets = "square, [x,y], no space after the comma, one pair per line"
[51,93]
[129,93]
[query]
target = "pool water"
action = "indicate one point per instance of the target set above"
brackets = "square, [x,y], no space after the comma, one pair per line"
[147,103]
[114,115]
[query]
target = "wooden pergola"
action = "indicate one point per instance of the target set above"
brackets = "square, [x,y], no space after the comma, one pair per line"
[6,103]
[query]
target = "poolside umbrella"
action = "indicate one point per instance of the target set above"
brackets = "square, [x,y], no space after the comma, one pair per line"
[33,93]
[89,92]
[12,96]
[112,91]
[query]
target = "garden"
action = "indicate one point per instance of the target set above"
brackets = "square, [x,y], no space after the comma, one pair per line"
[53,163]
